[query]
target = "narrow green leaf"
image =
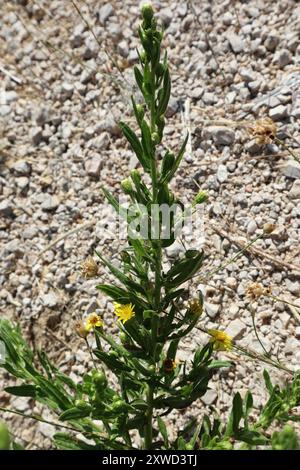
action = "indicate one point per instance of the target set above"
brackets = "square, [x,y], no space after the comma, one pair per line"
[163,431]
[22,390]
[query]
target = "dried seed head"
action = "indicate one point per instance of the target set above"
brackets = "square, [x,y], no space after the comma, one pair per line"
[269,228]
[256,290]
[169,365]
[90,268]
[196,307]
[81,330]
[264,130]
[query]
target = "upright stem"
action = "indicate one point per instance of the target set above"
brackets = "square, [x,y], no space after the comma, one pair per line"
[149,416]
[148,430]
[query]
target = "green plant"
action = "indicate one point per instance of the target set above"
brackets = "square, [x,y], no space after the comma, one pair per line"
[153,318]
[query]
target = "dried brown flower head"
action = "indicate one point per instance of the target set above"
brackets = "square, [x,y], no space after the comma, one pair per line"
[196,307]
[264,130]
[90,268]
[256,290]
[269,228]
[169,365]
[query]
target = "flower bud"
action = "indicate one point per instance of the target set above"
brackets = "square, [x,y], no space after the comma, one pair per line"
[147,14]
[140,111]
[135,175]
[127,186]
[155,137]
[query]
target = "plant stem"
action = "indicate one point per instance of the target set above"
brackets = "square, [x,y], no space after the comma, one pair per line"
[280,142]
[149,416]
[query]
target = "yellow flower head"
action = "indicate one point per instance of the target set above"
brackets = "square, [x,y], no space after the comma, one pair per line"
[93,321]
[124,312]
[90,268]
[196,307]
[221,340]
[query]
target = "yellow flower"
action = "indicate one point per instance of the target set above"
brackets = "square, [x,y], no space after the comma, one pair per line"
[221,340]
[93,321]
[124,312]
[90,268]
[196,307]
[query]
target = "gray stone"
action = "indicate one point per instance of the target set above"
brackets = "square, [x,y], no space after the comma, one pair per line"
[222,174]
[252,147]
[236,329]
[100,143]
[293,287]
[248,75]
[93,166]
[11,96]
[236,43]
[175,250]
[278,113]
[5,109]
[109,125]
[41,116]
[209,397]
[166,15]
[254,86]
[22,182]
[291,169]
[251,227]
[105,12]
[92,307]
[283,57]
[271,42]
[221,135]
[231,282]
[6,208]
[297,332]
[209,98]
[256,346]
[197,92]
[123,48]
[50,300]
[22,168]
[29,232]
[227,18]
[49,203]
[36,134]
[172,107]
[212,310]
[67,90]
[295,190]
[14,247]
[291,345]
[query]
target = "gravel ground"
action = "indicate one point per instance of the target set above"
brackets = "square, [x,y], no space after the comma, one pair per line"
[61,96]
